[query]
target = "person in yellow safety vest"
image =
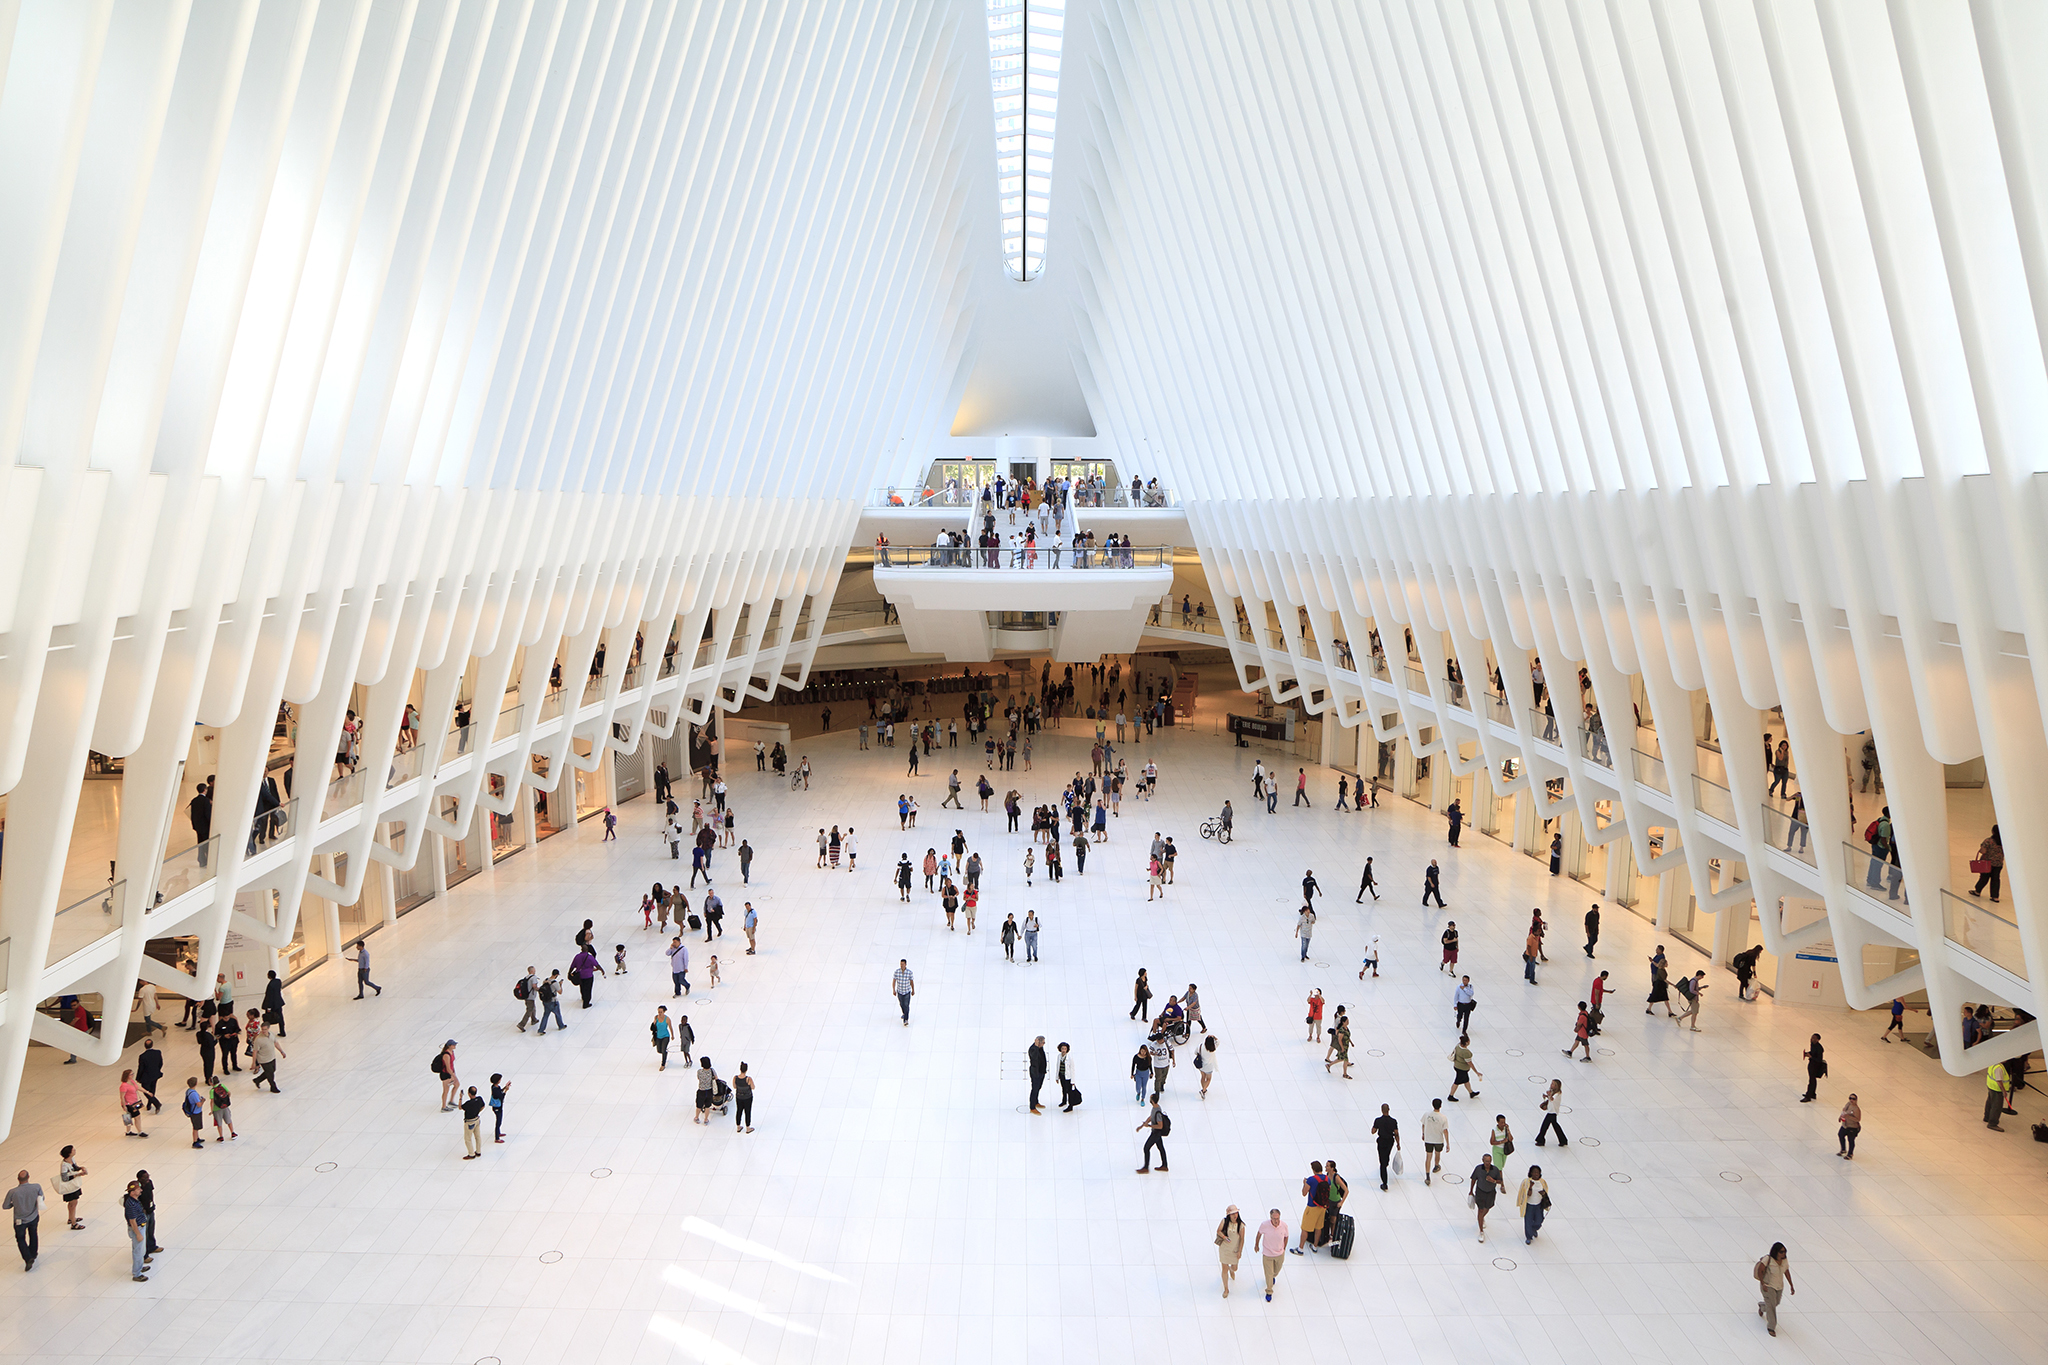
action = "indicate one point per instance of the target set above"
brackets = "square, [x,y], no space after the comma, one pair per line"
[1997,1084]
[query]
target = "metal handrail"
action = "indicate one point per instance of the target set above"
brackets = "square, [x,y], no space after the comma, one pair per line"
[1042,558]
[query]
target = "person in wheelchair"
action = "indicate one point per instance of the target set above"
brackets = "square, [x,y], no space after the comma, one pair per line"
[1172,1022]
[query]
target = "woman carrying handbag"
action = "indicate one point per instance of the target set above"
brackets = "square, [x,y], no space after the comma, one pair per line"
[1533,1199]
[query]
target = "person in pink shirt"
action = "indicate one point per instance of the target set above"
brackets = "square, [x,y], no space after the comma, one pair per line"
[1272,1238]
[131,1105]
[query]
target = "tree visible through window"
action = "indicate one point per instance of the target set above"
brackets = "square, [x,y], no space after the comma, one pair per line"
[1024,38]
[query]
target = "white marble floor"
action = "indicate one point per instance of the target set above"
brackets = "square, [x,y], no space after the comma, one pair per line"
[896,1205]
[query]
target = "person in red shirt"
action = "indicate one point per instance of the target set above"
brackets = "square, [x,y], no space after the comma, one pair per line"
[1595,1013]
[1580,1030]
[81,1019]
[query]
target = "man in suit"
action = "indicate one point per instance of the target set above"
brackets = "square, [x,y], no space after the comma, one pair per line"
[1037,1056]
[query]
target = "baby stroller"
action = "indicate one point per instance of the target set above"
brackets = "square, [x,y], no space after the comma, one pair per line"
[721,1096]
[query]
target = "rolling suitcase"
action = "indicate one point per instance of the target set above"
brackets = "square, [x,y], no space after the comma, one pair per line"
[1340,1241]
[695,924]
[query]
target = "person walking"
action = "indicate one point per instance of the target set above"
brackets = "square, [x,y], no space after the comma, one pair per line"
[905,986]
[1989,864]
[1816,1067]
[222,1104]
[1141,1070]
[551,1001]
[1367,882]
[265,1050]
[1532,947]
[1502,1141]
[1008,933]
[1371,960]
[1582,1034]
[1205,1062]
[1272,1239]
[473,1124]
[1315,1016]
[1156,1125]
[1773,1275]
[1031,936]
[1310,887]
[743,1100]
[1552,1105]
[1483,1188]
[1432,884]
[25,1201]
[500,1088]
[194,1108]
[1141,996]
[1035,1063]
[1596,1011]
[149,1070]
[1592,929]
[1436,1140]
[363,969]
[707,1092]
[1462,1070]
[1229,1244]
[1386,1136]
[443,1067]
[1660,985]
[662,1032]
[1691,989]
[1463,1002]
[1315,1193]
[1449,938]
[1848,1124]
[1533,1201]
[1898,1023]
[146,1001]
[903,876]
[1301,788]
[1304,927]
[1340,1045]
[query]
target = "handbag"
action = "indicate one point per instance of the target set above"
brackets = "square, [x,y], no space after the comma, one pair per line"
[1508,1148]
[1980,865]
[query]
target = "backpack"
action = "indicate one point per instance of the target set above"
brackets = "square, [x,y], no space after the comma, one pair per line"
[437,1066]
[1869,837]
[1165,1124]
[194,1106]
[519,991]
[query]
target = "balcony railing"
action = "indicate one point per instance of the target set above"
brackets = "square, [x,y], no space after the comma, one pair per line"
[1013,557]
[1121,497]
[593,690]
[1166,614]
[1990,931]
[83,923]
[456,742]
[1878,878]
[1379,668]
[343,793]
[1544,727]
[508,721]
[554,703]
[1500,708]
[267,828]
[1711,798]
[1460,695]
[405,766]
[1593,746]
[1650,771]
[1417,680]
[188,870]
[1791,836]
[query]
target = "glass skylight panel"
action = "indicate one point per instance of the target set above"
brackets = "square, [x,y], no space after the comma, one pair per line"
[1024,38]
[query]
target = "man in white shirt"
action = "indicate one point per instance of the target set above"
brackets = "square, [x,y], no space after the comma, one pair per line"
[1272,1239]
[149,1009]
[1436,1137]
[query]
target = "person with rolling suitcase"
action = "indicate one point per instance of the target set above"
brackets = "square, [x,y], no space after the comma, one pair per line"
[1340,1229]
[1070,1094]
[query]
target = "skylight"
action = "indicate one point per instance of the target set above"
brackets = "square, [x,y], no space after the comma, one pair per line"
[1024,39]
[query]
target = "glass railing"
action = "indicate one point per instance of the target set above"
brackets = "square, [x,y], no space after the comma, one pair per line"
[668,666]
[188,870]
[1990,931]
[554,703]
[1418,681]
[1711,798]
[83,923]
[1650,771]
[1878,878]
[1013,557]
[1789,835]
[1543,727]
[706,650]
[508,722]
[1146,497]
[406,766]
[343,793]
[1460,696]
[1023,620]
[1593,746]
[593,690]
[456,742]
[632,678]
[1173,618]
[1500,708]
[1379,668]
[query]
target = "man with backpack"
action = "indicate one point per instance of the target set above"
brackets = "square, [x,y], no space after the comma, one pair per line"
[1160,1125]
[550,992]
[527,990]
[1884,850]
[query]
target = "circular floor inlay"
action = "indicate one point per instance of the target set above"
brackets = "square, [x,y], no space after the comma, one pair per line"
[550,1257]
[1374,1052]
[600,1173]
[1503,1263]
[324,1167]
[1323,965]
[1731,1177]
[490,1360]
[1536,1079]
[1514,1052]
[1589,1142]
[1618,1178]
[1606,1051]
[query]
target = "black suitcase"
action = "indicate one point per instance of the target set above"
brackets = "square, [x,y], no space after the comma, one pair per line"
[1340,1243]
[695,924]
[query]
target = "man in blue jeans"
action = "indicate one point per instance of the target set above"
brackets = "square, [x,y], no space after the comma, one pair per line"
[551,1002]
[679,964]
[138,1220]
[905,986]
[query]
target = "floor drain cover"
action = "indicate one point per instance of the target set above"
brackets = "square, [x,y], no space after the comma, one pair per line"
[1503,1263]
[324,1167]
[1731,1177]
[550,1257]
[1589,1142]
[600,1173]
[1618,1178]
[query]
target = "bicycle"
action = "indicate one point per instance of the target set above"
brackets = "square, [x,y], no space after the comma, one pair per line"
[796,780]
[1215,829]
